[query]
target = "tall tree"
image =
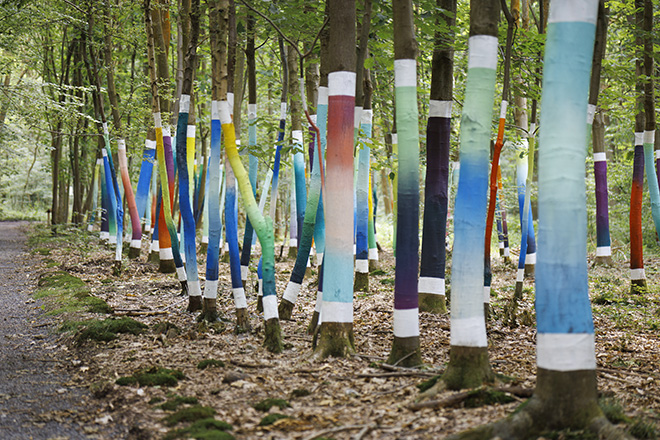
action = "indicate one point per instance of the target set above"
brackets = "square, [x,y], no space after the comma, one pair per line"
[335,337]
[438,132]
[566,395]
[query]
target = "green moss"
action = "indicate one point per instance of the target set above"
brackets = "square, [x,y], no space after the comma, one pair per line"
[613,411]
[569,435]
[41,251]
[486,396]
[155,400]
[190,414]
[427,384]
[108,329]
[204,429]
[643,429]
[154,376]
[272,418]
[206,363]
[267,404]
[387,281]
[173,404]
[300,392]
[164,327]
[68,293]
[378,272]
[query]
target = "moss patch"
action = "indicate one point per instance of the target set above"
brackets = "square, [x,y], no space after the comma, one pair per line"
[152,377]
[272,418]
[64,292]
[267,404]
[206,363]
[177,401]
[300,392]
[427,384]
[108,329]
[190,414]
[206,429]
[486,396]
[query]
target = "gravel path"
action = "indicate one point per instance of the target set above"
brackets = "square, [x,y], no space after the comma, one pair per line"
[36,399]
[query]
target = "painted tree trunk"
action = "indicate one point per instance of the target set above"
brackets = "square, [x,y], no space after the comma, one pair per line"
[263,226]
[144,182]
[136,227]
[362,205]
[321,122]
[95,194]
[468,356]
[371,226]
[528,240]
[248,238]
[637,275]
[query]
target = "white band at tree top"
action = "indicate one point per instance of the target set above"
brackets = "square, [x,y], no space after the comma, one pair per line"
[367,116]
[565,351]
[530,259]
[341,83]
[468,332]
[184,104]
[406,323]
[334,311]
[252,111]
[362,266]
[121,144]
[562,11]
[432,285]
[158,123]
[104,152]
[283,110]
[270,307]
[395,138]
[503,107]
[215,109]
[591,112]
[211,289]
[149,144]
[439,109]
[603,251]
[225,114]
[482,52]
[639,138]
[297,136]
[240,302]
[486,294]
[181,273]
[649,136]
[190,131]
[657,154]
[165,253]
[357,116]
[105,128]
[137,244]
[602,157]
[291,292]
[230,100]
[323,95]
[637,274]
[194,289]
[405,73]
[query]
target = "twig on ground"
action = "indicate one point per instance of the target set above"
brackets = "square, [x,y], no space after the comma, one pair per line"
[338,429]
[398,374]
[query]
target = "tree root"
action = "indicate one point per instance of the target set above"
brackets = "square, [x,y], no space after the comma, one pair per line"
[242,321]
[432,303]
[273,336]
[285,309]
[195,303]
[313,323]
[361,282]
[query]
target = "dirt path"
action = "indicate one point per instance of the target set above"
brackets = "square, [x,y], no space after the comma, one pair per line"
[36,399]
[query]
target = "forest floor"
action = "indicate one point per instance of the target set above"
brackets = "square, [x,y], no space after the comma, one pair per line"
[357,398]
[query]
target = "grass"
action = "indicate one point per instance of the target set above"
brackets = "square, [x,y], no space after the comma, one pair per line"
[190,414]
[206,429]
[106,330]
[267,404]
[207,363]
[65,293]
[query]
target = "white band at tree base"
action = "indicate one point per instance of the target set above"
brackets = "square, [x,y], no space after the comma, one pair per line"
[486,294]
[406,323]
[293,242]
[166,253]
[136,244]
[90,228]
[105,235]
[431,285]
[530,259]
[362,266]
[565,351]
[260,288]
[506,252]
[239,298]
[604,251]
[482,52]
[181,273]
[319,258]
[155,246]
[373,254]
[244,272]
[637,274]
[205,239]
[270,307]
[334,311]
[520,277]
[211,289]
[319,301]
[112,239]
[194,289]
[468,332]
[291,292]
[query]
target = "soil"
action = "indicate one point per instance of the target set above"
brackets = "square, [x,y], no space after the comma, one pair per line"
[355,398]
[38,400]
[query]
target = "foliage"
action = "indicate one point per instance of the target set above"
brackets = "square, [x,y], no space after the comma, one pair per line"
[190,414]
[108,329]
[206,429]
[154,376]
[67,293]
